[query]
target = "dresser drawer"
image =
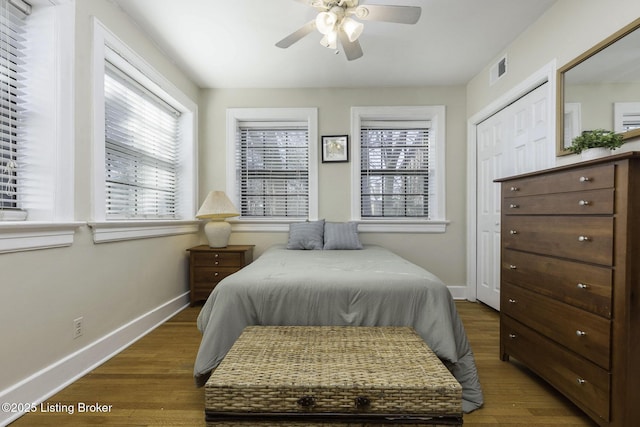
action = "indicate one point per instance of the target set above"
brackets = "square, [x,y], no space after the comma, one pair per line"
[586,384]
[223,259]
[582,285]
[588,178]
[585,333]
[591,202]
[588,239]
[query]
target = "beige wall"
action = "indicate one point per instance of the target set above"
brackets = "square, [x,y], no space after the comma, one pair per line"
[443,254]
[566,30]
[109,284]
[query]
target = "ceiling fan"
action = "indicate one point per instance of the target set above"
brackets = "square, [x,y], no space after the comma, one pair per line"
[336,22]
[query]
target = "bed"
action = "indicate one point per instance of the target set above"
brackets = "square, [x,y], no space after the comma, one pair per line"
[367,287]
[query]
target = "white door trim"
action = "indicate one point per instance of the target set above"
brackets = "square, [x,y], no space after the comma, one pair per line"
[545,74]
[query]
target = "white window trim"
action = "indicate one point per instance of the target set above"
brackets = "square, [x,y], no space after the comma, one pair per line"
[435,114]
[104,42]
[237,115]
[54,226]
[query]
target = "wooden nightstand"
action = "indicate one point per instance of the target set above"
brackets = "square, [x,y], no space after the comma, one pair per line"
[208,266]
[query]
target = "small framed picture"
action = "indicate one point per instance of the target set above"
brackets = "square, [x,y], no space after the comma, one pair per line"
[335,148]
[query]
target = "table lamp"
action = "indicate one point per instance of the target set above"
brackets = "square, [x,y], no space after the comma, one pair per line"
[217,207]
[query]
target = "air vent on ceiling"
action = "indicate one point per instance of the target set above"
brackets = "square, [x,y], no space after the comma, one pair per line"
[498,70]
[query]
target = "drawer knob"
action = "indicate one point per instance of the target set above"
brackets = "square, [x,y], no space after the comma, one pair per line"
[514,189]
[513,336]
[216,263]
[216,274]
[513,206]
[585,179]
[582,286]
[581,381]
[583,238]
[512,232]
[580,333]
[216,255]
[513,267]
[584,203]
[512,301]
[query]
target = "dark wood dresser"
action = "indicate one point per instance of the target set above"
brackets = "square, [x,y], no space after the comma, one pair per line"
[208,266]
[570,291]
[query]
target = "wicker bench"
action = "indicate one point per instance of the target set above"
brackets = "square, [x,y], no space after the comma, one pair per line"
[308,375]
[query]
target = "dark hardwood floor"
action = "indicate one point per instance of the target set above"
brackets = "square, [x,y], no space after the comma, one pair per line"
[151,383]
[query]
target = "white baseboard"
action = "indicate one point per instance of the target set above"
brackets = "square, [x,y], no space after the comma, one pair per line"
[458,292]
[48,381]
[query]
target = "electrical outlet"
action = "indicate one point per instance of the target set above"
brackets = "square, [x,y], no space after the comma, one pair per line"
[77,327]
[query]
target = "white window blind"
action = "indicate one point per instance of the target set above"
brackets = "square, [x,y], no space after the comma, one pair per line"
[272,164]
[12,102]
[141,135]
[395,169]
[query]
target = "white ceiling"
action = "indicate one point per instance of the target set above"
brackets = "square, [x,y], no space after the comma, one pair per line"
[231,43]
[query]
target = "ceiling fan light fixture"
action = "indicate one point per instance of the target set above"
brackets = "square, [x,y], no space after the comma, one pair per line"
[352,28]
[326,22]
[330,40]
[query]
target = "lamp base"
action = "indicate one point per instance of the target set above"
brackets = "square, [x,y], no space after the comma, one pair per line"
[217,233]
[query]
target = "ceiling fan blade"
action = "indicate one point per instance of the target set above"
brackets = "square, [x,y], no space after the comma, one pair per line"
[297,35]
[397,14]
[352,50]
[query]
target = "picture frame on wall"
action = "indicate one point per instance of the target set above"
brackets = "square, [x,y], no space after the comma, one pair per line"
[335,148]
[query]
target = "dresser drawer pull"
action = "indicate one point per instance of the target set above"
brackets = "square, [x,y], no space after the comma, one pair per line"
[513,336]
[512,301]
[513,267]
[216,263]
[580,333]
[584,203]
[585,179]
[513,206]
[583,238]
[581,381]
[514,189]
[582,286]
[216,255]
[512,232]
[216,274]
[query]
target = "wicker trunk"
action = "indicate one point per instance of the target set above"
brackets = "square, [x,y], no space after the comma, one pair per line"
[319,375]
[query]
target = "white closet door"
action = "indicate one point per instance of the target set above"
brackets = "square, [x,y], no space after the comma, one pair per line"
[515,140]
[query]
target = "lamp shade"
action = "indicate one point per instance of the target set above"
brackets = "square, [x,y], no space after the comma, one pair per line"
[217,206]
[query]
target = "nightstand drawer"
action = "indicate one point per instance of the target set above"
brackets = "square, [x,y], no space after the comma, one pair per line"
[584,333]
[593,202]
[582,285]
[223,259]
[208,266]
[211,275]
[588,239]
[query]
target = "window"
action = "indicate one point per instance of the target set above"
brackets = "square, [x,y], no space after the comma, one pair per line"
[37,149]
[626,116]
[12,105]
[144,147]
[141,139]
[398,179]
[272,159]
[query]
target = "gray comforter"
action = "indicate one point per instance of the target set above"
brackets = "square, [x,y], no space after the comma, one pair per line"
[368,287]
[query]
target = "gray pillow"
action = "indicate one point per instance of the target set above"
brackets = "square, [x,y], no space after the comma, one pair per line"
[341,235]
[306,235]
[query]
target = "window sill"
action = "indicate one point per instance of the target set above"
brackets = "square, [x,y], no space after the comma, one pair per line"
[364,225]
[266,225]
[113,231]
[16,236]
[402,226]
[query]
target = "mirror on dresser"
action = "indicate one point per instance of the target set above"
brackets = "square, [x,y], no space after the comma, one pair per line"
[600,89]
